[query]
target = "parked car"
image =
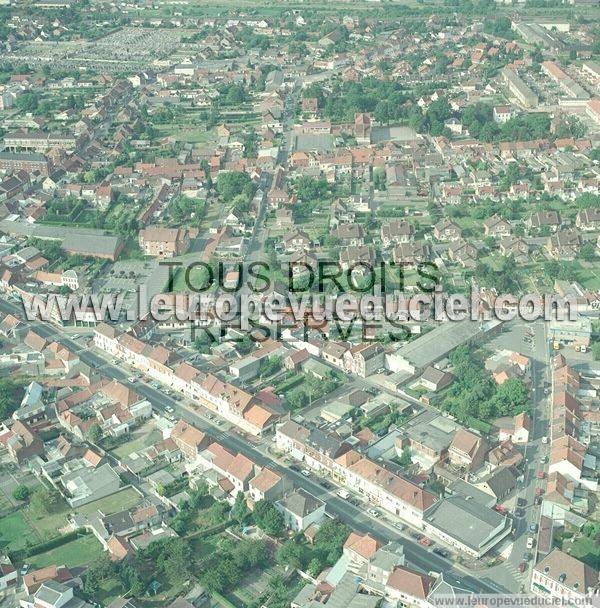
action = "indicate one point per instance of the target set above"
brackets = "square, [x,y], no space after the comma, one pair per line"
[541,475]
[521,502]
[441,552]
[522,567]
[533,527]
[373,512]
[25,569]
[305,472]
[426,542]
[530,542]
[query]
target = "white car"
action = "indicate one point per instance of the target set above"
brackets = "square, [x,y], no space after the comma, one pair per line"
[373,513]
[169,409]
[305,472]
[530,542]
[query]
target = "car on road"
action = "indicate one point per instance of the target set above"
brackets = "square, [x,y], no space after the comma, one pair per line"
[533,527]
[539,491]
[522,567]
[526,556]
[537,500]
[132,379]
[521,502]
[169,409]
[398,525]
[373,512]
[530,542]
[541,475]
[343,494]
[519,512]
[426,542]
[441,552]
[325,484]
[305,472]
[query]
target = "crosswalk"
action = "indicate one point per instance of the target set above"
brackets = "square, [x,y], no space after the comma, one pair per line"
[513,569]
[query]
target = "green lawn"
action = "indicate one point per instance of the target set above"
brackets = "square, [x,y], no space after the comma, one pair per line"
[585,549]
[186,133]
[14,532]
[78,552]
[141,438]
[123,499]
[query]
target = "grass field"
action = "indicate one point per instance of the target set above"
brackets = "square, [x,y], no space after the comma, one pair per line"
[141,438]
[123,499]
[187,133]
[78,552]
[15,532]
[584,549]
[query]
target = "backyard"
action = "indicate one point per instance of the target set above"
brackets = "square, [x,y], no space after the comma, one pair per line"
[78,552]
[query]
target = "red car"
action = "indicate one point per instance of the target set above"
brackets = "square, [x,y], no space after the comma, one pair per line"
[500,508]
[541,475]
[522,567]
[426,542]
[539,491]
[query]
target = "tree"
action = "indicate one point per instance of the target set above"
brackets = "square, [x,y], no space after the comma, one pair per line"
[21,493]
[240,511]
[405,459]
[292,554]
[588,252]
[234,183]
[511,397]
[28,102]
[175,560]
[268,518]
[101,569]
[315,567]
[330,538]
[8,397]
[95,433]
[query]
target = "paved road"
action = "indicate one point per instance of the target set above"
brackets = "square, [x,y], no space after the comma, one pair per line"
[416,555]
[512,338]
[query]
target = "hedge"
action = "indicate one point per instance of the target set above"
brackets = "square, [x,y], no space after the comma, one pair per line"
[58,541]
[291,383]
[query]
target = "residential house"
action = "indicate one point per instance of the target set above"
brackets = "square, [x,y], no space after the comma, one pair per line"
[564,244]
[164,242]
[467,450]
[300,509]
[447,230]
[497,227]
[397,231]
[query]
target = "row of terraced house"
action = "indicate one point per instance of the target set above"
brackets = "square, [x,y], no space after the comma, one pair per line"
[251,413]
